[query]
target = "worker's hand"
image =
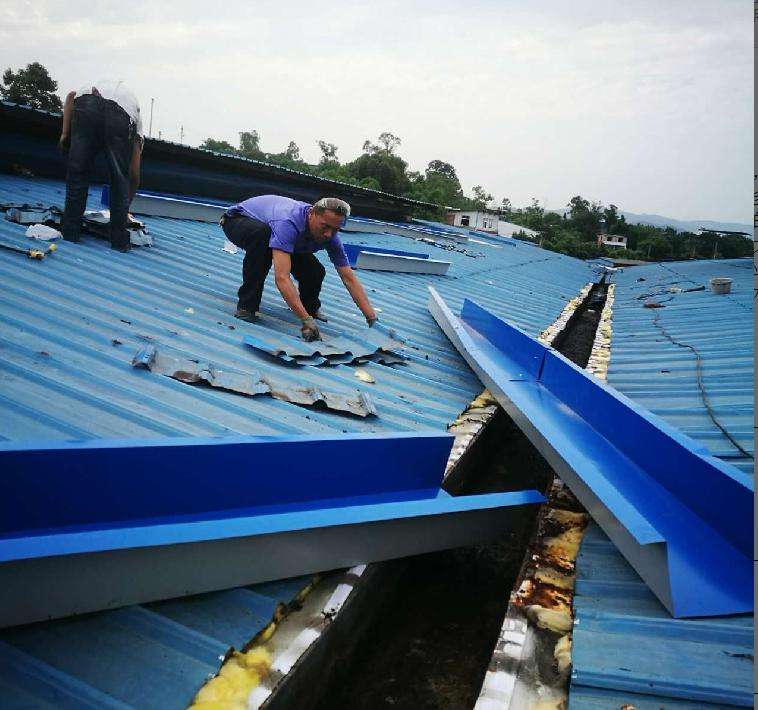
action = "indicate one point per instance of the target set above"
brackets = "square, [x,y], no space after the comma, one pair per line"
[64,143]
[309,330]
[371,319]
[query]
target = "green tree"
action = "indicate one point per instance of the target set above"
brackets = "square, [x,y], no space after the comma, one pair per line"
[386,143]
[387,169]
[250,145]
[218,146]
[32,86]
[328,152]
[292,152]
[481,197]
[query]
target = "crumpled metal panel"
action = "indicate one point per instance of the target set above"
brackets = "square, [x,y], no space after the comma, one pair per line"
[334,348]
[250,383]
[688,536]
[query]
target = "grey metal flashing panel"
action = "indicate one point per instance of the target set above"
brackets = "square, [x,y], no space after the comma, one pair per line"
[689,537]
[401,264]
[107,516]
[158,206]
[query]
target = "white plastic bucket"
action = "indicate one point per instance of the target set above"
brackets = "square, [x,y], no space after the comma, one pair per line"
[721,286]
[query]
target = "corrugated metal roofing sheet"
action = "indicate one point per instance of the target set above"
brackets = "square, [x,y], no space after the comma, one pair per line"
[662,376]
[69,326]
[626,647]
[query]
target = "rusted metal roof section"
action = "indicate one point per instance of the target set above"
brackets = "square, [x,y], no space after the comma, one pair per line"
[690,539]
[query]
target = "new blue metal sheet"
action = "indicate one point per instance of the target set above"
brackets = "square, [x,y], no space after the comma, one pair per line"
[689,536]
[117,510]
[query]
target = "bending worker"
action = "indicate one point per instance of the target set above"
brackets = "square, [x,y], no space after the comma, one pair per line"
[101,117]
[286,232]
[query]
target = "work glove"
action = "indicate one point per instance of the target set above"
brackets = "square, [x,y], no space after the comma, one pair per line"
[309,330]
[372,319]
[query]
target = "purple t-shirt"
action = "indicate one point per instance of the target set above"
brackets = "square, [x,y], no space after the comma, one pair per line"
[288,220]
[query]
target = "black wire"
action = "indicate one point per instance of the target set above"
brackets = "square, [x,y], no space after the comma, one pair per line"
[701,386]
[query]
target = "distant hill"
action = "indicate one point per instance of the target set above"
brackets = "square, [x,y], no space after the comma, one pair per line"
[656,220]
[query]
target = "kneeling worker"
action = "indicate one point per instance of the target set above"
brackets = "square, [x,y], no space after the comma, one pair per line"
[271,228]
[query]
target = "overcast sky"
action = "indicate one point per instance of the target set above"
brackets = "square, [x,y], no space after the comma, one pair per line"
[645,104]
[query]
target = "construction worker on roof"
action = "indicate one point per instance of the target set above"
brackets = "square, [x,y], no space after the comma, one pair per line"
[101,117]
[286,232]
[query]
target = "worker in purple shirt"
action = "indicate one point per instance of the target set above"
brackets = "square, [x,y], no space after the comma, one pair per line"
[286,232]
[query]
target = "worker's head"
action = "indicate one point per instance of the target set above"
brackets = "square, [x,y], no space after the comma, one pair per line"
[327,217]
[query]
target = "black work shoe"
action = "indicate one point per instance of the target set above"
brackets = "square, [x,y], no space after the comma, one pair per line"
[318,315]
[73,240]
[123,248]
[244,314]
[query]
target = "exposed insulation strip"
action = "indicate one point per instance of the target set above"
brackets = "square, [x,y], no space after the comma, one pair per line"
[248,677]
[550,333]
[601,348]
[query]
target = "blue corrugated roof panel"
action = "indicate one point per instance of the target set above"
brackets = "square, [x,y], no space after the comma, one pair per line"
[69,326]
[654,351]
[626,647]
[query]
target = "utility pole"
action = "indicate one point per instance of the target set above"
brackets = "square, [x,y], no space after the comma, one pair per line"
[181,135]
[150,130]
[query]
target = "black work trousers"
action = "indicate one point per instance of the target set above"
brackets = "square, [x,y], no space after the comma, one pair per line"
[98,125]
[254,236]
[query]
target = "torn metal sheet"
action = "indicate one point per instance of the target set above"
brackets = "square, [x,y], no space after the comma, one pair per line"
[123,522]
[681,517]
[376,344]
[31,214]
[250,383]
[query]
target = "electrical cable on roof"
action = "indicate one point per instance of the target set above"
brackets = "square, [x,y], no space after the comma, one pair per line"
[701,386]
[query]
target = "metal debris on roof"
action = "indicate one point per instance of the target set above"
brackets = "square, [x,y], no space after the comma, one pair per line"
[250,383]
[217,513]
[376,344]
[26,214]
[694,555]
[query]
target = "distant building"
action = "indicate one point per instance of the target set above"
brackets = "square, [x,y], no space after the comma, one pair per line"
[482,220]
[612,240]
[486,221]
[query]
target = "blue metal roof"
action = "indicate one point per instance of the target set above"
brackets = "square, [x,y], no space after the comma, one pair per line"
[662,376]
[626,647]
[69,326]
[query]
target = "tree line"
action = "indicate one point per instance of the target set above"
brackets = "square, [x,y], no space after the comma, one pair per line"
[575,232]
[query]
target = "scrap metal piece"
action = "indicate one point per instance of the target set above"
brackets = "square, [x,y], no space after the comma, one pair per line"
[377,344]
[213,513]
[680,516]
[250,383]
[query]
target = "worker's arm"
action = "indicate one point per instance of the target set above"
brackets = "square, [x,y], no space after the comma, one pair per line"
[357,293]
[68,108]
[282,265]
[134,168]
